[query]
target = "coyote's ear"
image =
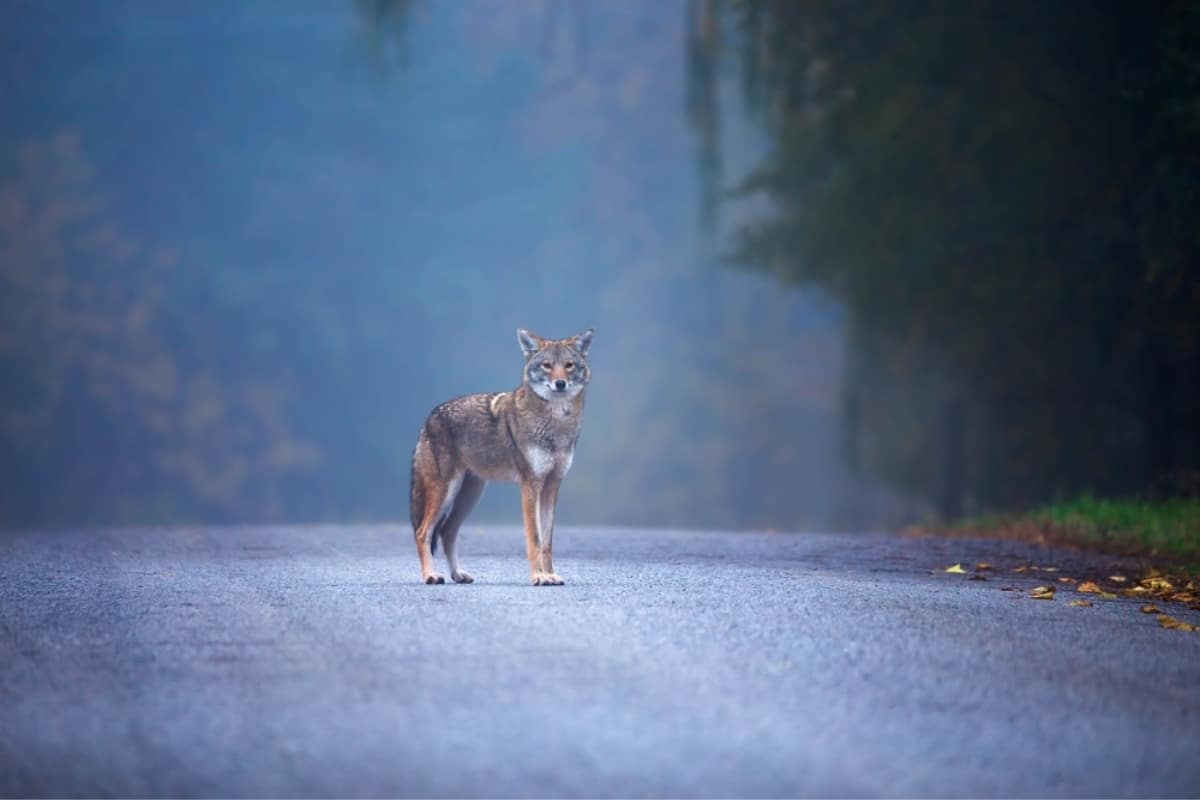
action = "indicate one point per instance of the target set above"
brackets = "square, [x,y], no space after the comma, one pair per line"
[583,341]
[530,342]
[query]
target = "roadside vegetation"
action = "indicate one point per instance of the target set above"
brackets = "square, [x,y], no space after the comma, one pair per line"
[1166,530]
[1157,539]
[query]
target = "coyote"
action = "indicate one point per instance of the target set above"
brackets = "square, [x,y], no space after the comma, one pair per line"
[526,435]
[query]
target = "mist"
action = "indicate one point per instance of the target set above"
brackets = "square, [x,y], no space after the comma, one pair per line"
[249,246]
[848,266]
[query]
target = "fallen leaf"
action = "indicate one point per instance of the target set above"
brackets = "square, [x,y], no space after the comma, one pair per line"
[1184,597]
[1088,586]
[983,565]
[1042,593]
[1107,596]
[1117,578]
[1149,609]
[957,569]
[1081,603]
[1135,590]
[1049,569]
[1020,569]
[1157,584]
[1174,624]
[1065,579]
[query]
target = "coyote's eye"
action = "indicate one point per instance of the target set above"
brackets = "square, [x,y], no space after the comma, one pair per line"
[569,365]
[546,366]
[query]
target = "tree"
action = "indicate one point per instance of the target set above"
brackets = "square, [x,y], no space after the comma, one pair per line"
[99,409]
[1002,195]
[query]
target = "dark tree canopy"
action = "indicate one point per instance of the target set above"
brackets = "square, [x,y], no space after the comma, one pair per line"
[1004,196]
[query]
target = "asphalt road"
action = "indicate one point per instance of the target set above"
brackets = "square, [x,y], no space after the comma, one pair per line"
[309,661]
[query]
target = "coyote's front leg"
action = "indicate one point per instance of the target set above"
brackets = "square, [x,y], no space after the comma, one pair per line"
[549,500]
[536,498]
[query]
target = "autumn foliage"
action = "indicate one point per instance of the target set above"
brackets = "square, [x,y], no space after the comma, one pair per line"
[102,409]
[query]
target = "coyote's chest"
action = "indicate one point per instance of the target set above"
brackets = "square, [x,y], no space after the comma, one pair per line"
[551,444]
[543,461]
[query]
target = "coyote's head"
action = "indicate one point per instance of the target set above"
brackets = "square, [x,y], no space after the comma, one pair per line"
[555,367]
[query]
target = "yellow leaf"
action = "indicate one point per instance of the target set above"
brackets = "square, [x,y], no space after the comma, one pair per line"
[1157,584]
[1149,609]
[1088,586]
[1117,578]
[1081,603]
[1107,596]
[1183,597]
[957,569]
[1174,624]
[1042,593]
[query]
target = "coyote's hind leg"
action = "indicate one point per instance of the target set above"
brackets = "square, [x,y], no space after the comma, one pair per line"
[438,499]
[468,495]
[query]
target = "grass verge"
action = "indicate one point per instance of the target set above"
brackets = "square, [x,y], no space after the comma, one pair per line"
[1167,530]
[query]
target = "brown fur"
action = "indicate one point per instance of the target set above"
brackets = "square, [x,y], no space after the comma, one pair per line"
[527,435]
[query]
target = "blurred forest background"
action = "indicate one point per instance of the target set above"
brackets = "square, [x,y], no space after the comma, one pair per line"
[850,264]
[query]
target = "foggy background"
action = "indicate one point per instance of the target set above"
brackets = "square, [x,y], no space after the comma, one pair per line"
[252,249]
[246,246]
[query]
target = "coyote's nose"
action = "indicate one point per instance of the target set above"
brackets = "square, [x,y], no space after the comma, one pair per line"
[560,384]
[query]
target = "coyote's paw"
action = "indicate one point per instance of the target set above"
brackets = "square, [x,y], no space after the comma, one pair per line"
[547,579]
[433,578]
[462,577]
